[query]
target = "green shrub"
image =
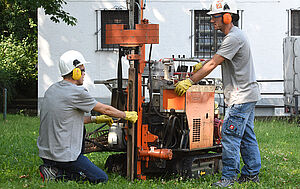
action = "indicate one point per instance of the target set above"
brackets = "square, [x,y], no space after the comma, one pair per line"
[18,60]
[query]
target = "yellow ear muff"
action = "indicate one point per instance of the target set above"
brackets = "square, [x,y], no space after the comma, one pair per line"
[227,18]
[76,74]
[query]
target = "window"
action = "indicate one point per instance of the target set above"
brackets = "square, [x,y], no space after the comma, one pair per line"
[206,39]
[104,17]
[295,22]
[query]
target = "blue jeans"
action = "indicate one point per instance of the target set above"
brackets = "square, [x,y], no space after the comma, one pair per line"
[81,169]
[238,137]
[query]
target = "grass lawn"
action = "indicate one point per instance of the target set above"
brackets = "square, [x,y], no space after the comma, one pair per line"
[279,143]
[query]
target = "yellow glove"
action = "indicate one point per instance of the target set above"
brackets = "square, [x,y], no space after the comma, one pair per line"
[103,119]
[131,116]
[182,86]
[197,67]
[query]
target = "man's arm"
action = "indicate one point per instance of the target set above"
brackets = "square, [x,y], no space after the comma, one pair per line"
[207,68]
[87,119]
[182,86]
[113,112]
[109,110]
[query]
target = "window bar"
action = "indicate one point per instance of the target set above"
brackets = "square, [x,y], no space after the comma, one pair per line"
[196,40]
[192,12]
[203,35]
[241,19]
[97,31]
[288,22]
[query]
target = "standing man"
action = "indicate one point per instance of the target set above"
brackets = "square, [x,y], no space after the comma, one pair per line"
[62,120]
[241,93]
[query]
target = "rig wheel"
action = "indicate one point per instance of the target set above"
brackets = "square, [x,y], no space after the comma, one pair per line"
[117,163]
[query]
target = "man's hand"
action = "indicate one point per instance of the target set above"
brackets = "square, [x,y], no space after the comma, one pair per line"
[197,67]
[131,116]
[104,119]
[182,86]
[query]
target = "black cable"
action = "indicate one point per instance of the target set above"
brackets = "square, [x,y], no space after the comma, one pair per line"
[159,114]
[150,80]
[150,88]
[120,93]
[166,131]
[123,138]
[174,134]
[170,133]
[97,144]
[97,129]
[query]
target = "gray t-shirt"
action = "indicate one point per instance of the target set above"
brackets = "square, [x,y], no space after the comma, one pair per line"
[62,121]
[239,81]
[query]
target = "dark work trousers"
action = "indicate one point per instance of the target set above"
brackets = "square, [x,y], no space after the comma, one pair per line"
[80,170]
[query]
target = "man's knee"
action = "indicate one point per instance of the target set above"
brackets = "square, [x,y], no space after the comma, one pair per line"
[100,179]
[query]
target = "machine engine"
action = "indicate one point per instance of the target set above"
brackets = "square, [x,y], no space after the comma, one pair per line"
[180,134]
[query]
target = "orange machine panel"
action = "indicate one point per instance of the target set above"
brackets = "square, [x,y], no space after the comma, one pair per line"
[142,34]
[200,115]
[172,101]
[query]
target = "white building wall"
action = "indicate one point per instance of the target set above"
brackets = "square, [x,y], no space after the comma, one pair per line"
[56,38]
[265,22]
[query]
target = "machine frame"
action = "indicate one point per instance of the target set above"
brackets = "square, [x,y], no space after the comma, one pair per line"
[152,144]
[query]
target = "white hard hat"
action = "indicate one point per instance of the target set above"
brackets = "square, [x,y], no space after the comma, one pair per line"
[70,60]
[223,6]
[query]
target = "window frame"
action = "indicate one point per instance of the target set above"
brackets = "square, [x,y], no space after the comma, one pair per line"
[212,38]
[100,27]
[292,29]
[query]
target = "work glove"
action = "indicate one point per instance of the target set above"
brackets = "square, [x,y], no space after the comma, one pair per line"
[102,119]
[197,67]
[131,116]
[182,86]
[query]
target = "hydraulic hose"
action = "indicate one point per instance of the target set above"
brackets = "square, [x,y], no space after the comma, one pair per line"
[150,80]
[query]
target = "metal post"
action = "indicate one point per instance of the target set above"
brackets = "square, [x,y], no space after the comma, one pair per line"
[4,103]
[296,106]
[131,14]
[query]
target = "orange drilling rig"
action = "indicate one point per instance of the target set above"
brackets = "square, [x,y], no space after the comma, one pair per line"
[174,135]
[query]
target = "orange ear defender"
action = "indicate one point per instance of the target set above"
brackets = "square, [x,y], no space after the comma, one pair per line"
[227,18]
[76,75]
